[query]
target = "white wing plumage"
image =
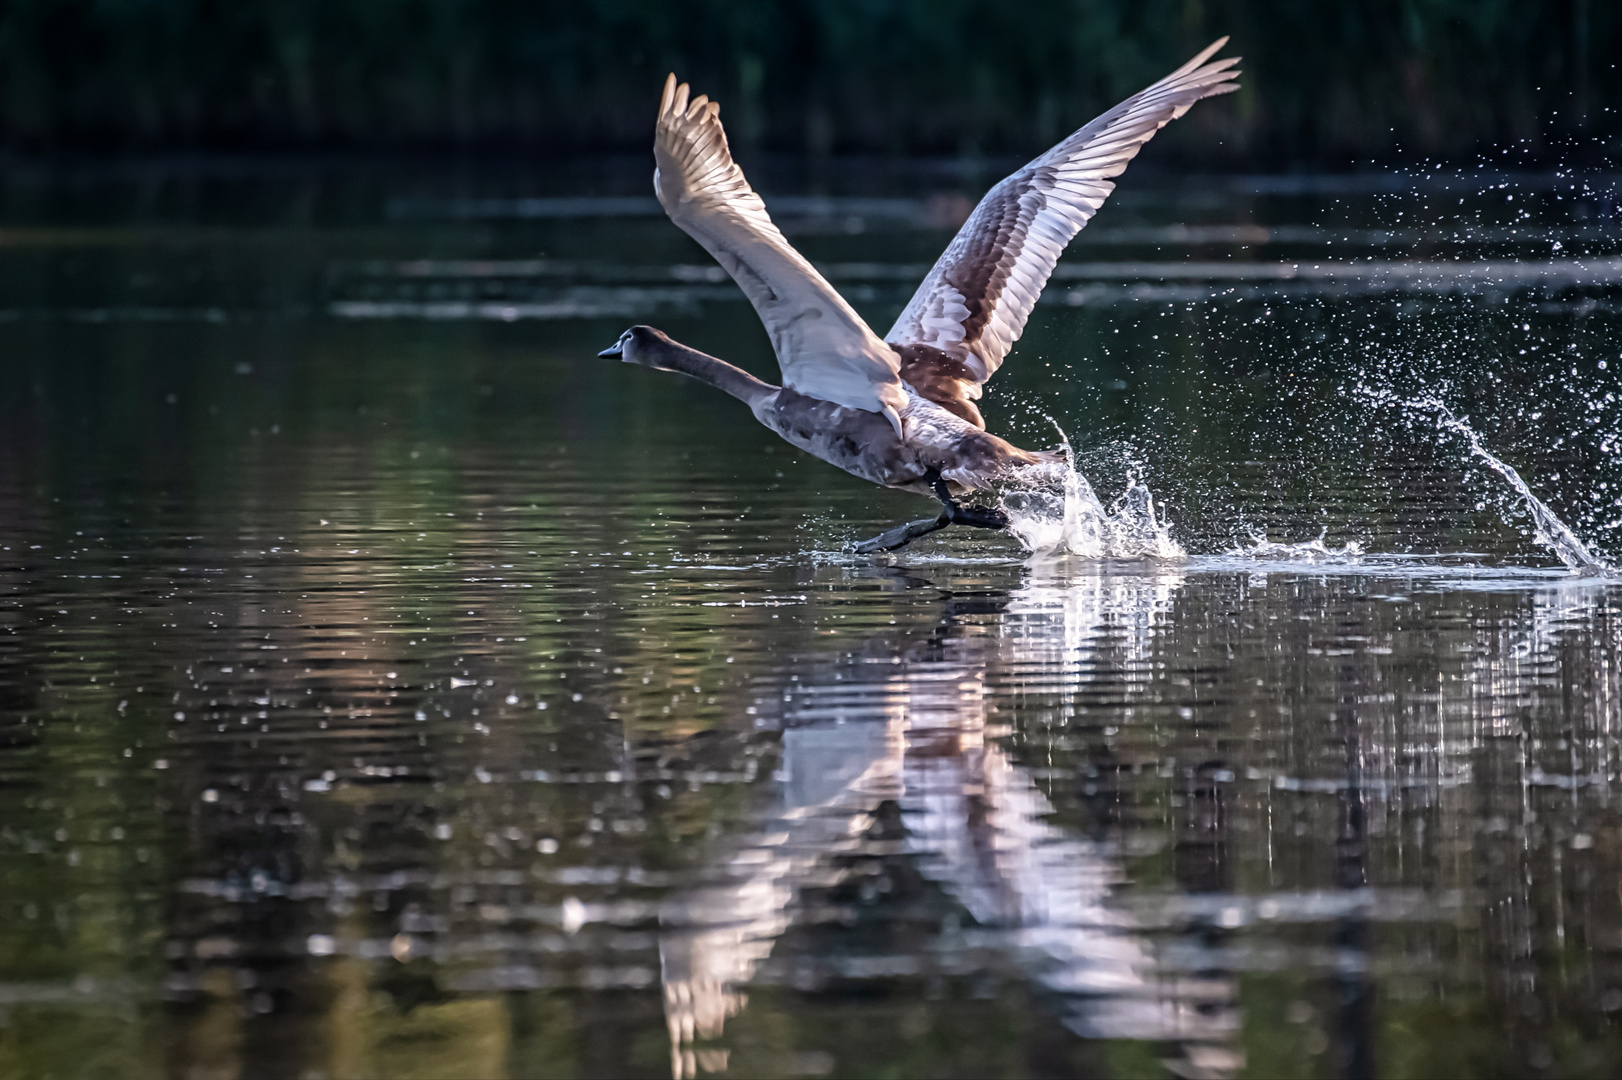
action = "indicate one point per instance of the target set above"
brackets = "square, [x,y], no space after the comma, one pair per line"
[976,299]
[824,348]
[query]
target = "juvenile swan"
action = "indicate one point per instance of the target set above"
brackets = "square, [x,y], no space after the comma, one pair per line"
[898,411]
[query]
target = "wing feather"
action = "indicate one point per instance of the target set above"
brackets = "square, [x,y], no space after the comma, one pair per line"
[974,304]
[823,347]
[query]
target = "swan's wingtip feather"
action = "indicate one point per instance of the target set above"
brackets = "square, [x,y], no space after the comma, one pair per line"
[1200,57]
[1209,51]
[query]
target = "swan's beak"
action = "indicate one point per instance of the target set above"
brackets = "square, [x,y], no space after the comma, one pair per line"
[613,352]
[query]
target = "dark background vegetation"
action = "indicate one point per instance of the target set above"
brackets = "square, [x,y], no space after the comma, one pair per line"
[1325,82]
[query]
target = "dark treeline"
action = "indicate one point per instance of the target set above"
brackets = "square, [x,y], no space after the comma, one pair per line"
[1324,82]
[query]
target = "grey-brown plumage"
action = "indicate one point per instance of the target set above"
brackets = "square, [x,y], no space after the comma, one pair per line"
[941,445]
[977,297]
[899,411]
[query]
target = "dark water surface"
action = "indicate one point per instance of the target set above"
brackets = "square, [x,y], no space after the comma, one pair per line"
[390,688]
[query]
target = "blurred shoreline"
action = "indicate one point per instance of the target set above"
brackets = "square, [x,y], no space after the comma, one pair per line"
[1324,86]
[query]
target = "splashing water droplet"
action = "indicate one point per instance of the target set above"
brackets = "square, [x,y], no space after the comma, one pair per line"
[1054,511]
[1310,551]
[1547,528]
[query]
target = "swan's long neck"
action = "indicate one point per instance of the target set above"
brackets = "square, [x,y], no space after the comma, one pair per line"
[671,355]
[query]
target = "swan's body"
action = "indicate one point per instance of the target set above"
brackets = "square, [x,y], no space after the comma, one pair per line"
[897,411]
[939,443]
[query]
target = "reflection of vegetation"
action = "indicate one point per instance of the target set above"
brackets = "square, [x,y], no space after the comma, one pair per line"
[1283,1034]
[375,1036]
[1322,80]
[82,880]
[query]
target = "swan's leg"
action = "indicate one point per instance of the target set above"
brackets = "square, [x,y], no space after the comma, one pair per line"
[980,517]
[902,535]
[951,514]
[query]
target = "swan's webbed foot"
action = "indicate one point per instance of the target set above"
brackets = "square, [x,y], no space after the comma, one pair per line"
[902,535]
[980,517]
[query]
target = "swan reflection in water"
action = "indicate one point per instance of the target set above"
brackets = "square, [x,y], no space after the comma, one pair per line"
[907,724]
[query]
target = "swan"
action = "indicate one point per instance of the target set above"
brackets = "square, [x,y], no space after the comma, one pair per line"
[899,410]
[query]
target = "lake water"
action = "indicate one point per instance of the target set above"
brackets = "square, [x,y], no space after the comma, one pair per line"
[391,688]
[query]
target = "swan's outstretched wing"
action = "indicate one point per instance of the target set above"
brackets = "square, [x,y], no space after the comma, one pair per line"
[824,348]
[974,303]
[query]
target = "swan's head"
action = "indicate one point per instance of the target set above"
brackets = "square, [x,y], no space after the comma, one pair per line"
[640,345]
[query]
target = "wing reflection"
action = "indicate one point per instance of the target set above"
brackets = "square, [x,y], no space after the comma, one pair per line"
[908,723]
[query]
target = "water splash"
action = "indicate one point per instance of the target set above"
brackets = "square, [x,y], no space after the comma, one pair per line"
[1055,511]
[1547,528]
[1311,551]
